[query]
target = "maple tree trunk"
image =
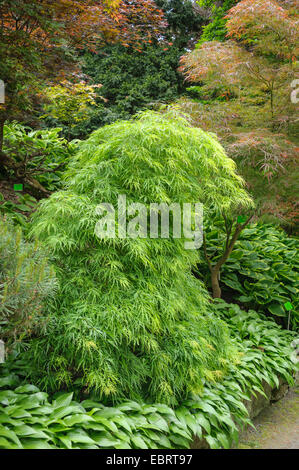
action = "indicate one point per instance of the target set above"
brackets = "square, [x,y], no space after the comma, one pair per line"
[215,284]
[215,270]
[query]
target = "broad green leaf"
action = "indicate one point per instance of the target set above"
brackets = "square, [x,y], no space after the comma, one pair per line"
[77,419]
[5,432]
[79,437]
[138,442]
[63,400]
[28,388]
[36,444]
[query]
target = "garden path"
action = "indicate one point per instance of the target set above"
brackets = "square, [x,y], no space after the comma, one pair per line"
[277,426]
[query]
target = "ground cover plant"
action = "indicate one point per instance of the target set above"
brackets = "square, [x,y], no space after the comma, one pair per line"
[19,208]
[31,419]
[262,270]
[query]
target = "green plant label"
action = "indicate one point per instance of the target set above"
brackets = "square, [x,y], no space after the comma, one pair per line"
[288,306]
[241,219]
[18,187]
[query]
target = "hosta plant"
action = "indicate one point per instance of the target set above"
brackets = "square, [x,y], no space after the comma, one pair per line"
[262,270]
[31,419]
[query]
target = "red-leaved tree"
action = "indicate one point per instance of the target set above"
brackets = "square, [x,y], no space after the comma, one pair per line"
[39,40]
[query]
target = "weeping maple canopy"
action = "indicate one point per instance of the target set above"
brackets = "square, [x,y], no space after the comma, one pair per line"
[130,319]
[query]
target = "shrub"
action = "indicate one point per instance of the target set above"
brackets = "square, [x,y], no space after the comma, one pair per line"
[131,80]
[26,280]
[40,155]
[130,319]
[18,211]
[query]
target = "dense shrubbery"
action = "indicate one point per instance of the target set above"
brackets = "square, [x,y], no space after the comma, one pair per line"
[262,271]
[19,210]
[26,280]
[132,304]
[131,80]
[30,419]
[39,154]
[216,29]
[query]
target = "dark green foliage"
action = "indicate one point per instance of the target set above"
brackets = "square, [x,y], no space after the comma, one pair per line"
[216,29]
[131,320]
[26,280]
[31,419]
[20,210]
[132,80]
[39,154]
[183,18]
[262,271]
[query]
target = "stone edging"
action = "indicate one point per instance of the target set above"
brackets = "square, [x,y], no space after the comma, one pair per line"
[254,406]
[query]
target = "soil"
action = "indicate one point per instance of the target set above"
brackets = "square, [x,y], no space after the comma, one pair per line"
[277,426]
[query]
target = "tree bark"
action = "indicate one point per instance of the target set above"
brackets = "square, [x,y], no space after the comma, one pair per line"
[215,283]
[2,121]
[230,243]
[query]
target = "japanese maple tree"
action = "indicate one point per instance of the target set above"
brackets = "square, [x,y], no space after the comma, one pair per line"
[39,40]
[261,53]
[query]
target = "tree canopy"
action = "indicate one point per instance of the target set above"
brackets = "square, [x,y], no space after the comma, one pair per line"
[132,303]
[39,38]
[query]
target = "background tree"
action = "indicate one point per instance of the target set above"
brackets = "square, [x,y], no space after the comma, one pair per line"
[39,41]
[138,77]
[185,21]
[131,80]
[242,91]
[271,34]
[70,104]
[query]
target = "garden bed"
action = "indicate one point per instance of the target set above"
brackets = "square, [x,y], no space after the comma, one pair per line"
[32,419]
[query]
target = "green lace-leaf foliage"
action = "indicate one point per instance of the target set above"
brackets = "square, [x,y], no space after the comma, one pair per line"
[26,280]
[131,320]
